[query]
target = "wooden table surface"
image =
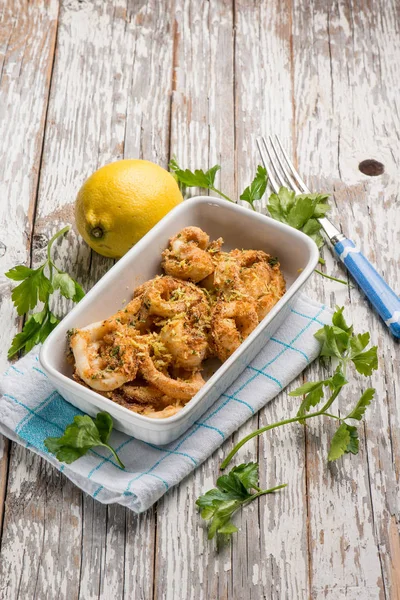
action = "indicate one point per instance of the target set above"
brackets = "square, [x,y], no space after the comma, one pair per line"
[86,82]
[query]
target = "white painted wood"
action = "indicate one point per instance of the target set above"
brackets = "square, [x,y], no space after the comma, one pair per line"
[201,80]
[202,118]
[347,119]
[84,132]
[25,64]
[274,539]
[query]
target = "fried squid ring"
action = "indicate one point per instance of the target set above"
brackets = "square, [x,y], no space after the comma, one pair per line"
[129,312]
[276,289]
[167,297]
[187,256]
[232,322]
[187,344]
[105,355]
[176,388]
[152,401]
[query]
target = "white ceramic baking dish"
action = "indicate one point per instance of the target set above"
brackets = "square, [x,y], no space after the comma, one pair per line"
[240,228]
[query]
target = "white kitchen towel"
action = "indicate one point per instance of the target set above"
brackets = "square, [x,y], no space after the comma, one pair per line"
[31,410]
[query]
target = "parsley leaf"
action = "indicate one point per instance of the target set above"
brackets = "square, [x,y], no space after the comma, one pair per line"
[27,338]
[300,212]
[339,342]
[247,473]
[366,362]
[69,288]
[333,339]
[257,188]
[198,178]
[314,391]
[339,321]
[361,406]
[36,286]
[233,491]
[344,441]
[82,435]
[19,273]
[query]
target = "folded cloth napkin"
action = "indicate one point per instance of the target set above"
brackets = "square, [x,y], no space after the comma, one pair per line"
[31,410]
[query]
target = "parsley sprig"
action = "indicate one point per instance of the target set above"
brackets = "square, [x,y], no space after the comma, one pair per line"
[299,211]
[234,490]
[257,188]
[80,436]
[37,285]
[341,345]
[198,178]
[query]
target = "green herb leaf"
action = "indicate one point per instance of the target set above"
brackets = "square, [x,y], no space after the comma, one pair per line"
[314,393]
[80,436]
[339,321]
[307,387]
[247,473]
[19,273]
[28,337]
[344,441]
[232,485]
[256,190]
[338,380]
[50,323]
[366,362]
[361,406]
[333,340]
[221,519]
[35,286]
[233,491]
[69,288]
[353,445]
[299,211]
[198,178]
[104,424]
[358,343]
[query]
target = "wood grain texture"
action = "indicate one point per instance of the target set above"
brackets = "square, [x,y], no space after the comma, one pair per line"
[351,503]
[200,79]
[26,63]
[277,561]
[202,133]
[89,113]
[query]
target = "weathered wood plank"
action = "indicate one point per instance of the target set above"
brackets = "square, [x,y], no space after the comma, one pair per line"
[338,80]
[89,115]
[348,77]
[25,64]
[187,565]
[273,537]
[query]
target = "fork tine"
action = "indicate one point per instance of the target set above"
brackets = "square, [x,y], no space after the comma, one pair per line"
[295,174]
[271,178]
[291,181]
[273,163]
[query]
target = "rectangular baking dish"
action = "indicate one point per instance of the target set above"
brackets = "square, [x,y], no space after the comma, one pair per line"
[240,228]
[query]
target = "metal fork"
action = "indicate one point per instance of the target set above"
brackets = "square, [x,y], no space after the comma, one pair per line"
[382,297]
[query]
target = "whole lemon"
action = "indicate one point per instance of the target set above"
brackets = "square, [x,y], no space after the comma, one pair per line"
[121,202]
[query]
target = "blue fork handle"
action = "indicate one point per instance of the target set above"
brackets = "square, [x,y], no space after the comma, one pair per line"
[385,301]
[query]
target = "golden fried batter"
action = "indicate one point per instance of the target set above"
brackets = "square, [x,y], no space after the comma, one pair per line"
[149,355]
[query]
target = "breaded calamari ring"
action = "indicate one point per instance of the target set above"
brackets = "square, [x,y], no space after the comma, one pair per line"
[105,355]
[232,322]
[178,389]
[187,257]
